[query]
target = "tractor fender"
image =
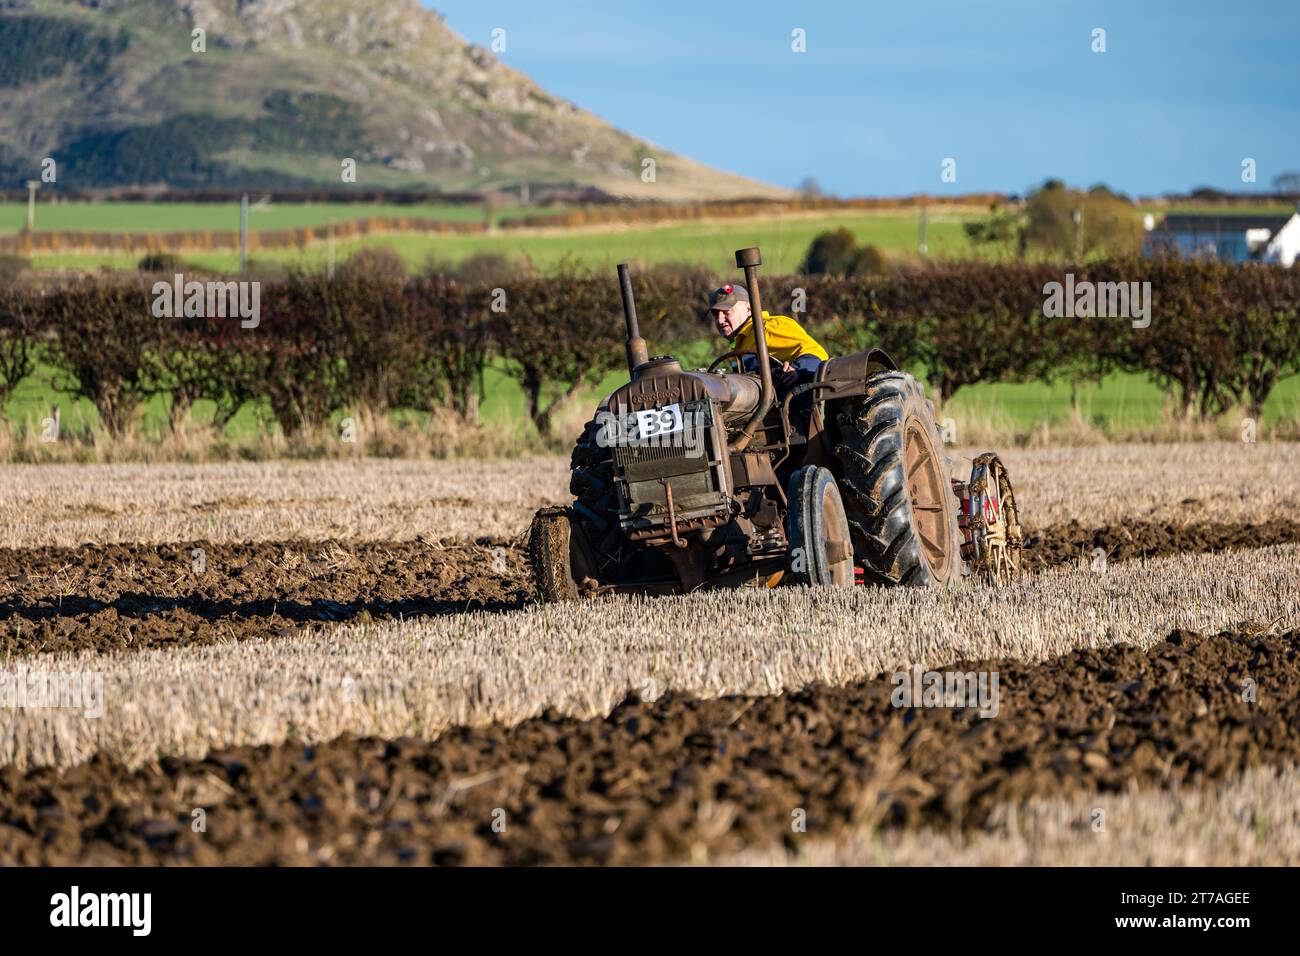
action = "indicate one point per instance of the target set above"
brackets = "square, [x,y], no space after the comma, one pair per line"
[847,375]
[850,372]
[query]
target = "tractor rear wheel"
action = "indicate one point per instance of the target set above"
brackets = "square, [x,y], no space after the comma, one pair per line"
[897,485]
[817,526]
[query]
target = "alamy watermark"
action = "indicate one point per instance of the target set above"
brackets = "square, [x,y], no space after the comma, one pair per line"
[209,300]
[75,908]
[670,426]
[53,690]
[976,690]
[1103,300]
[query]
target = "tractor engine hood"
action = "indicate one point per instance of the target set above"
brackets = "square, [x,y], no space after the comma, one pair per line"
[662,381]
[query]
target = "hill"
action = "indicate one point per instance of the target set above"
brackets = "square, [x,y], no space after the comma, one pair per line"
[286,90]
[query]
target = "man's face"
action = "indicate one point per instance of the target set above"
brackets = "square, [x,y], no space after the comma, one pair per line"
[729,321]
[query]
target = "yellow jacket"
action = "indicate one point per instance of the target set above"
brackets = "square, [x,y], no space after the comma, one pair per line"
[786,338]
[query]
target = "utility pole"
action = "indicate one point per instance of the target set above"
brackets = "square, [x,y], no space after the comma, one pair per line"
[243,234]
[32,186]
[920,244]
[1078,234]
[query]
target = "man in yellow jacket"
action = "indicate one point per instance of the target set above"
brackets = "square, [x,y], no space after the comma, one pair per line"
[798,352]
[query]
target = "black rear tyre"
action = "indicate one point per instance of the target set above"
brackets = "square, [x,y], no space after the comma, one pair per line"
[591,476]
[897,485]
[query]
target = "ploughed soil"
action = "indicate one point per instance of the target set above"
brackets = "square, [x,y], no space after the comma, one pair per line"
[682,778]
[104,597]
[1063,544]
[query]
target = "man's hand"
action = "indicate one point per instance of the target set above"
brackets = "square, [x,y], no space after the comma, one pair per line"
[789,375]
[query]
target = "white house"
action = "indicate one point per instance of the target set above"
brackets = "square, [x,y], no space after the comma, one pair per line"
[1284,245]
[1233,238]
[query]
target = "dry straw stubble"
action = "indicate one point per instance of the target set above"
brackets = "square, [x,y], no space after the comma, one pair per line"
[380,499]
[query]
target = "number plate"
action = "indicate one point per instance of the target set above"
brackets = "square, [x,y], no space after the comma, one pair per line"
[659,421]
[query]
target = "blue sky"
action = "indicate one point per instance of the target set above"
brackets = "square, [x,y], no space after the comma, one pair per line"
[886,91]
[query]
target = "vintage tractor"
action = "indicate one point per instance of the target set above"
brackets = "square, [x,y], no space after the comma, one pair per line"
[690,479]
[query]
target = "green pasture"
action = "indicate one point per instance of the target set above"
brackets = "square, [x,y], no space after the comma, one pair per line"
[784,240]
[1122,403]
[110,216]
[784,237]
[180,217]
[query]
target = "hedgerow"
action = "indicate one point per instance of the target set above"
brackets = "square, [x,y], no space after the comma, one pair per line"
[1219,336]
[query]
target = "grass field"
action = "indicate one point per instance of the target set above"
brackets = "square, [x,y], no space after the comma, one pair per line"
[784,240]
[1121,404]
[783,237]
[109,216]
[183,217]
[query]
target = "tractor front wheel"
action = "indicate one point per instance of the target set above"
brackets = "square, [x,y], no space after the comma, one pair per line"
[557,556]
[818,530]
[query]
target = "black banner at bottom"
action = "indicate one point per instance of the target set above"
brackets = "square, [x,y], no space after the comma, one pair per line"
[342,905]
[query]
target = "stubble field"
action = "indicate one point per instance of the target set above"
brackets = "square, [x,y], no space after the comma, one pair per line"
[340,662]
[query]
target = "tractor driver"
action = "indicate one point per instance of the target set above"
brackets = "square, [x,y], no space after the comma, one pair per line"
[798,352]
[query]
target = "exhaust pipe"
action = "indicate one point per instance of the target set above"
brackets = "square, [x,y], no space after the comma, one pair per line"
[750,260]
[637,353]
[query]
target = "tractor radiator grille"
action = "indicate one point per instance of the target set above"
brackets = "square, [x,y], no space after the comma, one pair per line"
[631,455]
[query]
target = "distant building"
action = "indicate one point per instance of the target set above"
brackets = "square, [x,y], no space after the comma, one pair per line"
[1232,238]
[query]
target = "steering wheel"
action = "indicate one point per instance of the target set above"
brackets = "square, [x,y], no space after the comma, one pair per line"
[777,364]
